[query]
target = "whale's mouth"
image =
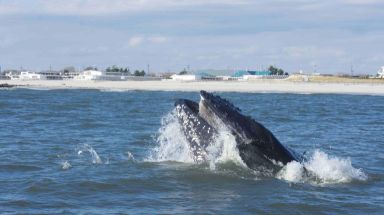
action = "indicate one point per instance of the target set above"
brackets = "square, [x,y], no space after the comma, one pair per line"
[209,115]
[210,110]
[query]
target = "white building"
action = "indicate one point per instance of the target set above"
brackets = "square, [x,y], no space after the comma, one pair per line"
[13,75]
[185,77]
[26,75]
[252,77]
[89,75]
[380,73]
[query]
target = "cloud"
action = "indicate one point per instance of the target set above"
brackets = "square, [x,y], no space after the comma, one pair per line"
[118,7]
[135,41]
[157,39]
[139,40]
[7,41]
[102,7]
[361,2]
[313,51]
[11,8]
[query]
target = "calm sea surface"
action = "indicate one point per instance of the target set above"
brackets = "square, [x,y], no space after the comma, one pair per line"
[100,152]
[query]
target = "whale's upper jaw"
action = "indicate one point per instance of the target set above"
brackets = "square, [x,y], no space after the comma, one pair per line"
[221,113]
[217,103]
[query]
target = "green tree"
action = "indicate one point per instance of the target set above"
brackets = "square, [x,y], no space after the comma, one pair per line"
[90,68]
[183,72]
[276,71]
[139,73]
[69,69]
[115,68]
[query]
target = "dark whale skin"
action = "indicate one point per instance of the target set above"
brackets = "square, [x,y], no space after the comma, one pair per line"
[257,146]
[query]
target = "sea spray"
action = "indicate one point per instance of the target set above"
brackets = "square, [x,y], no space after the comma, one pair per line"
[322,169]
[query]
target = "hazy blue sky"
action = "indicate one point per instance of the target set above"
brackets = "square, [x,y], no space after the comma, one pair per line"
[330,35]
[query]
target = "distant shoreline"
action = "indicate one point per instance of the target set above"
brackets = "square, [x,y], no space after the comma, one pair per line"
[257,86]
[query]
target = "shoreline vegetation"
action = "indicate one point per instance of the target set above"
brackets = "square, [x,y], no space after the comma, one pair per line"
[293,84]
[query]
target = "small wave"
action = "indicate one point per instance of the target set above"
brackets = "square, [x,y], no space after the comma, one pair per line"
[322,169]
[18,168]
[114,90]
[36,88]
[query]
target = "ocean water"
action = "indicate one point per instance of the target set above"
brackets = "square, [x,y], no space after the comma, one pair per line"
[105,152]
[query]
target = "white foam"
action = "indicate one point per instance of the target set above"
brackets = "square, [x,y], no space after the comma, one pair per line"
[118,90]
[322,169]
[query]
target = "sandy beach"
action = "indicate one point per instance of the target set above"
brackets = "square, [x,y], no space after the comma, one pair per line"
[260,86]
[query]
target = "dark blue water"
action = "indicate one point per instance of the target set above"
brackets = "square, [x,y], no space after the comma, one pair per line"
[87,151]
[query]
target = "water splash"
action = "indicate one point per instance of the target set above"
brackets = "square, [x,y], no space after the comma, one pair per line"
[65,165]
[322,169]
[130,156]
[223,150]
[94,156]
[172,144]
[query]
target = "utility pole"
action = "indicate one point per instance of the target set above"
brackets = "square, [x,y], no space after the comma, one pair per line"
[148,69]
[351,70]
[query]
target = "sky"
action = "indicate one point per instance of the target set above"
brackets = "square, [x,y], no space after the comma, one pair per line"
[326,36]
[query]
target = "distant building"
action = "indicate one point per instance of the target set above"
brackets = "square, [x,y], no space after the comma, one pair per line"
[89,75]
[185,77]
[241,73]
[251,75]
[380,73]
[215,74]
[12,74]
[27,75]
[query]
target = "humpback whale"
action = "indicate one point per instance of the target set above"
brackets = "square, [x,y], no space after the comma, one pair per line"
[259,149]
